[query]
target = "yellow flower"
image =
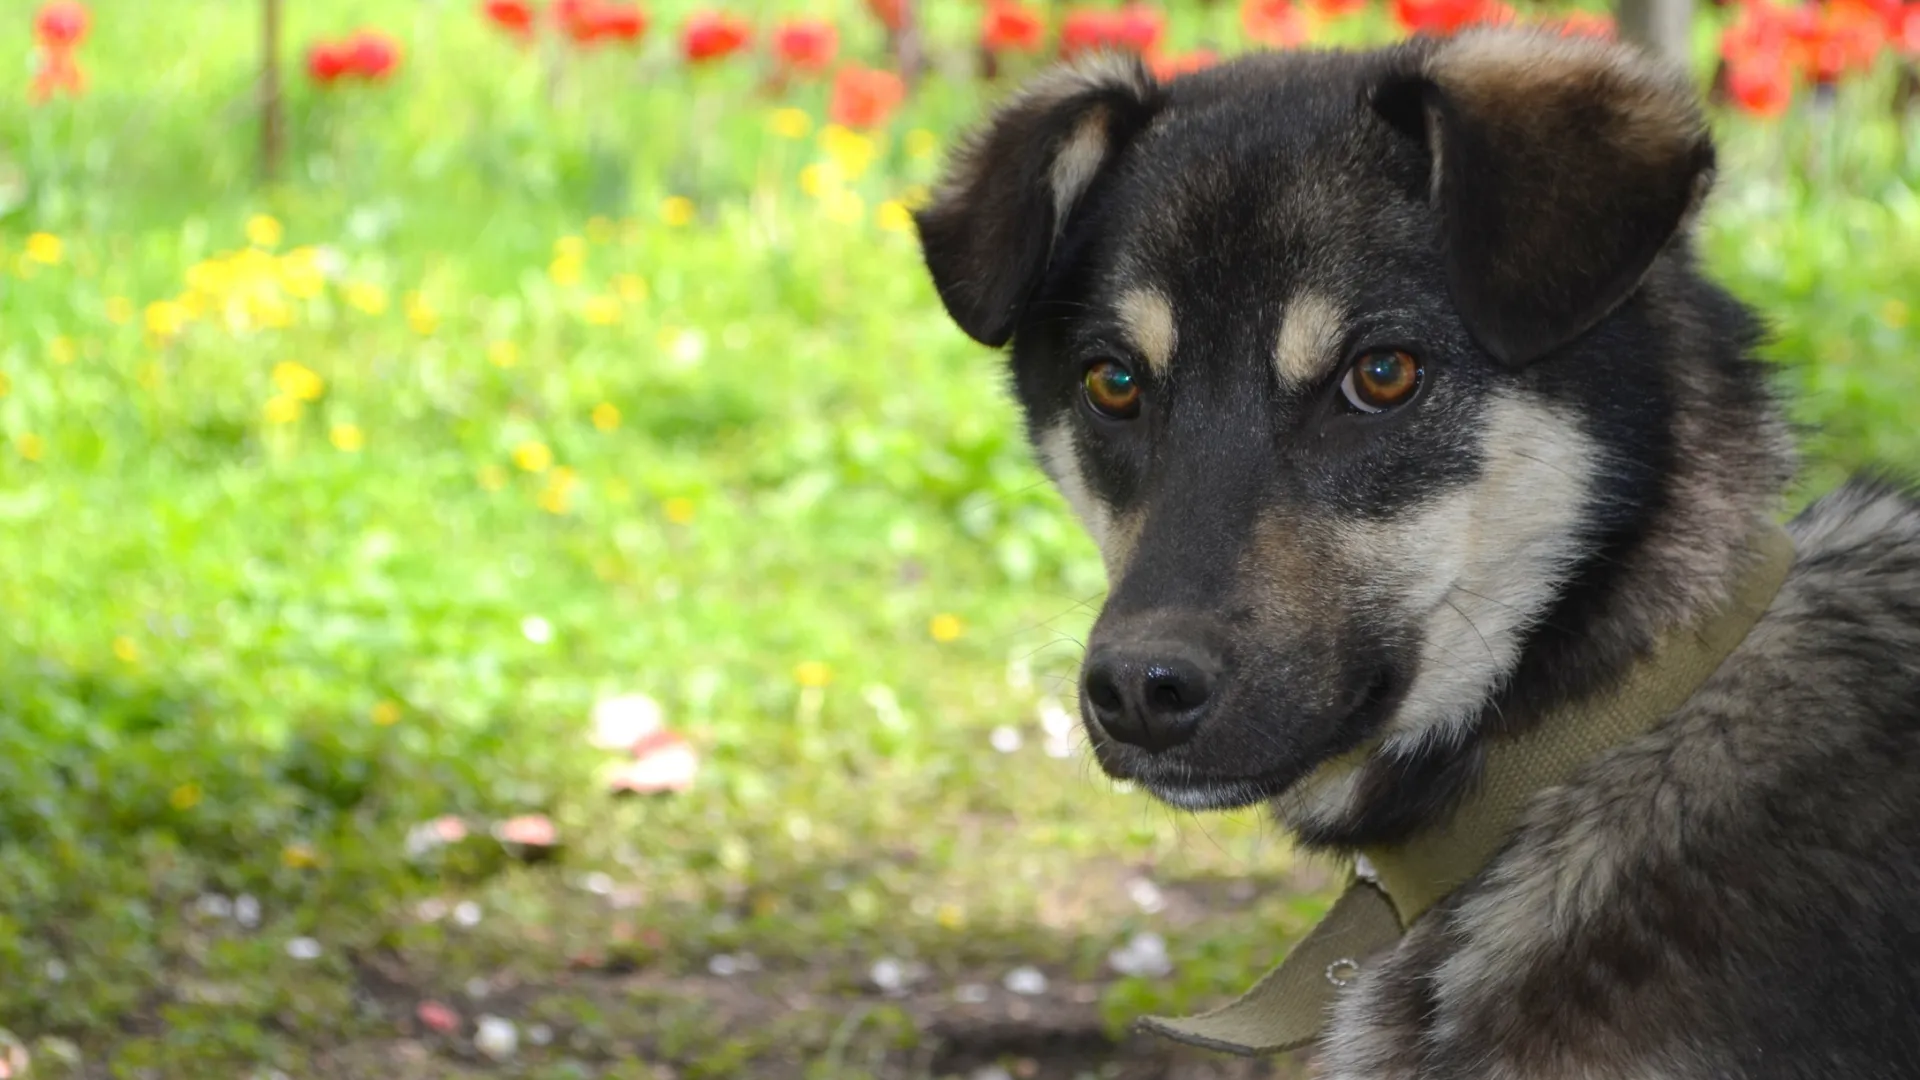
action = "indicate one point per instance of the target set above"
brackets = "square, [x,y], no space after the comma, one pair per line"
[679,510]
[421,315]
[347,438]
[606,416]
[165,319]
[921,143]
[555,496]
[503,354]
[125,650]
[950,916]
[1894,313]
[492,477]
[263,231]
[119,310]
[790,123]
[846,208]
[185,797]
[565,270]
[817,179]
[894,216]
[386,712]
[298,381]
[31,446]
[600,229]
[601,310]
[945,627]
[533,457]
[569,247]
[300,273]
[631,287]
[849,149]
[812,673]
[45,249]
[299,856]
[210,277]
[915,196]
[270,312]
[368,298]
[282,409]
[677,211]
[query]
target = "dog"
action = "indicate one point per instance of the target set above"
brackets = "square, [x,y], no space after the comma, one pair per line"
[1409,427]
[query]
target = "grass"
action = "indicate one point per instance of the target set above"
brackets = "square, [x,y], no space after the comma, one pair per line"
[543,395]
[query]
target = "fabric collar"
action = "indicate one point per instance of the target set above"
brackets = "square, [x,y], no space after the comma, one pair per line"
[1392,887]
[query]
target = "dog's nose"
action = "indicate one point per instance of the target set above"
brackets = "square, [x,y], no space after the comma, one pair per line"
[1151,698]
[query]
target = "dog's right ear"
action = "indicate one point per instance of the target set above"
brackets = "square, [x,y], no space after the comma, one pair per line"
[1011,187]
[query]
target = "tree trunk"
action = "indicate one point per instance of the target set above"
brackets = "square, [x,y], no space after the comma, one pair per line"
[1662,27]
[272,128]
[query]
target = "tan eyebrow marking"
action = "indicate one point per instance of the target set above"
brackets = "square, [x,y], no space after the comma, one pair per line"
[1149,321]
[1309,334]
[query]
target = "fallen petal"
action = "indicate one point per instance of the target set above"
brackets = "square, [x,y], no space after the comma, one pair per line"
[529,836]
[437,1017]
[668,767]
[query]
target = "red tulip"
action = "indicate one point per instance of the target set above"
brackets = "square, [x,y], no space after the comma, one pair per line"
[329,61]
[806,44]
[1274,23]
[1135,28]
[589,22]
[1166,68]
[1445,17]
[865,97]
[713,35]
[891,13]
[1906,36]
[61,24]
[516,17]
[1139,27]
[373,55]
[1761,88]
[1334,9]
[1011,27]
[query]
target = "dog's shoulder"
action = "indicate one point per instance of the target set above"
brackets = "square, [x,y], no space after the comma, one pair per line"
[1742,884]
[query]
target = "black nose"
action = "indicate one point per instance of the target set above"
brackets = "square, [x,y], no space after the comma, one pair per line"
[1152,698]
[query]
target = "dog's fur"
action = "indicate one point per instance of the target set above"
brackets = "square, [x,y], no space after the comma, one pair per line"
[1593,443]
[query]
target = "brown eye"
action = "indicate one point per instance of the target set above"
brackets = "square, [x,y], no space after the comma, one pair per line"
[1112,390]
[1378,381]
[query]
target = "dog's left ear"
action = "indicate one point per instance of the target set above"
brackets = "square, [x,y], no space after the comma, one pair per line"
[1561,168]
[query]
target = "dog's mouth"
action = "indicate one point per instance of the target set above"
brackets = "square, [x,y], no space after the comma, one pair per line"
[1186,779]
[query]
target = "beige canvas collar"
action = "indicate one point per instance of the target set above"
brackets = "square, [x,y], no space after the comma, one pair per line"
[1394,886]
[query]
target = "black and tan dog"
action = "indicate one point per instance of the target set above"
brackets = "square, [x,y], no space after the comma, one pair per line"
[1436,490]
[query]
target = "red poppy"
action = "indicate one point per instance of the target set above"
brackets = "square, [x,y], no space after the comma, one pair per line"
[713,35]
[1139,27]
[329,61]
[1906,35]
[806,45]
[1135,28]
[865,97]
[516,17]
[61,24]
[1334,9]
[619,22]
[1844,39]
[1169,67]
[1761,87]
[1445,17]
[373,55]
[1277,24]
[891,13]
[1011,27]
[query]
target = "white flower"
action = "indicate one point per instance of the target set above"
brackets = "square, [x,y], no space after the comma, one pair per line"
[1005,738]
[620,722]
[1026,981]
[303,948]
[496,1037]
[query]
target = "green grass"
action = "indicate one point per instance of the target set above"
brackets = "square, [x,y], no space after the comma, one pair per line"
[208,606]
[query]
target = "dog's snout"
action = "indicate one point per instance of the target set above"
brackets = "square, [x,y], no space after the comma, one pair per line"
[1152,696]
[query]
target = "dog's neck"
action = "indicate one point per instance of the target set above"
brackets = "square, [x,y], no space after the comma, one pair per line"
[1727,460]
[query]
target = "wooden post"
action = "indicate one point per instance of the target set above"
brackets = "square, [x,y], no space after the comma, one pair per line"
[1662,27]
[272,126]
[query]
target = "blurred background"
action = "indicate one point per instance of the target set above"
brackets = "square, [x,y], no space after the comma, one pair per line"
[506,569]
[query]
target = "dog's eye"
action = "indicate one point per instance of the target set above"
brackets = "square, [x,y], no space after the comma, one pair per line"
[1380,380]
[1112,390]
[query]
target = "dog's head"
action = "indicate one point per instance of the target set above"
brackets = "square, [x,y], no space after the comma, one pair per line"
[1311,343]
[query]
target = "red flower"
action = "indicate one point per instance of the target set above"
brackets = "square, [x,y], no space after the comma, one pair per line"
[513,16]
[589,22]
[865,97]
[373,55]
[1334,9]
[1011,27]
[1906,36]
[1166,68]
[1843,39]
[1274,23]
[713,35]
[806,44]
[329,61]
[61,24]
[1759,87]
[1135,28]
[891,13]
[1445,17]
